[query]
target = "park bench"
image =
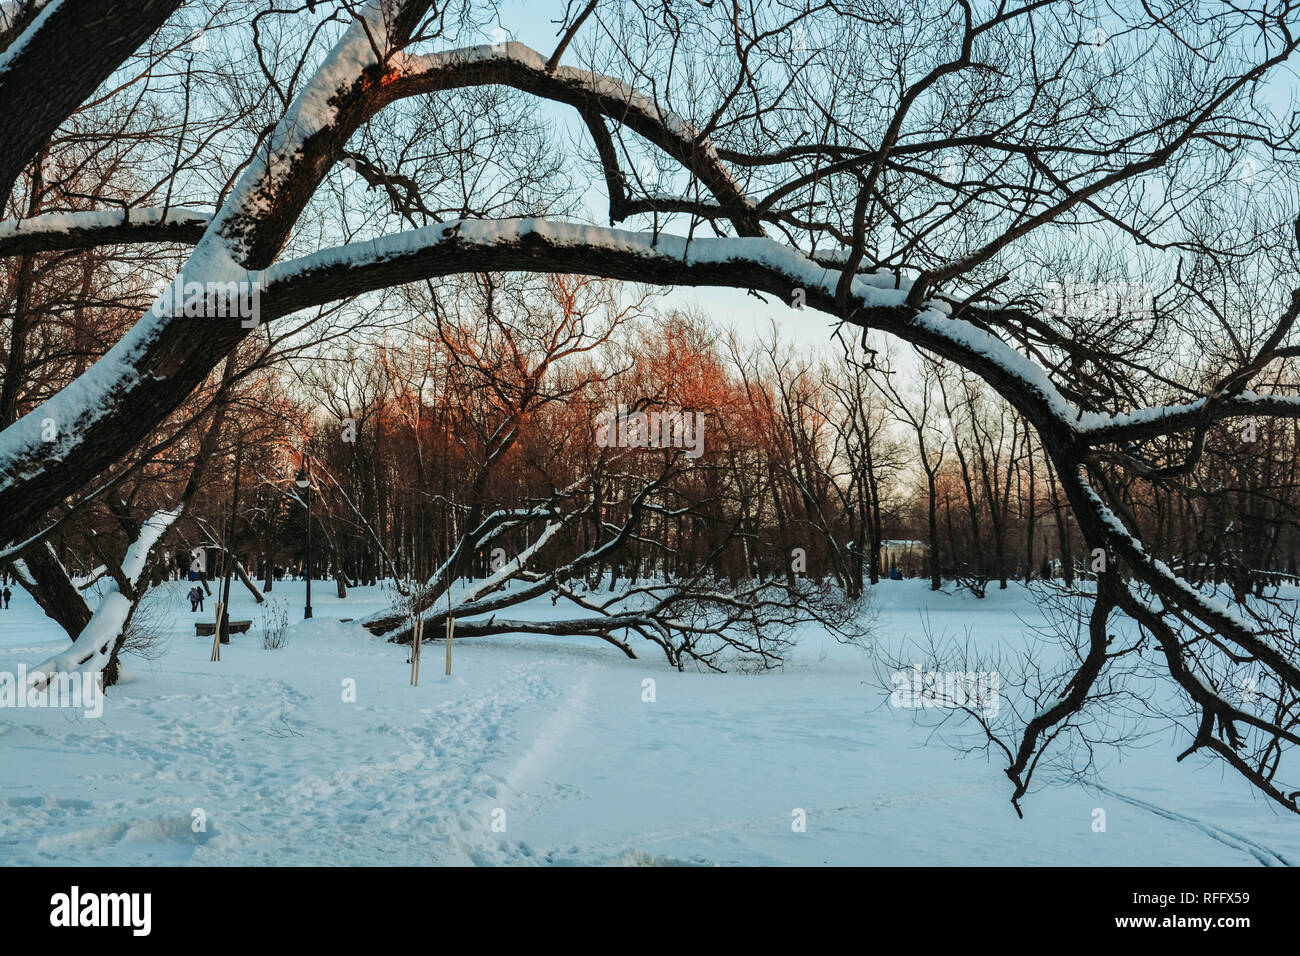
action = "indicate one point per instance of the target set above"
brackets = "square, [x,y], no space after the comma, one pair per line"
[208,628]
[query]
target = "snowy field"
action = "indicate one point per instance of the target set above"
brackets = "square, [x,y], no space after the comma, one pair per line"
[552,740]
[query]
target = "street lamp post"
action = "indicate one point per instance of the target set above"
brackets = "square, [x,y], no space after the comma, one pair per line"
[303,481]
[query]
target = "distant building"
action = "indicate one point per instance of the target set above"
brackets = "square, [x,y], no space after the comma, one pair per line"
[907,556]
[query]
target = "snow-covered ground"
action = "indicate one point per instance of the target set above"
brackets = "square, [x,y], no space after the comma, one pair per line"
[554,741]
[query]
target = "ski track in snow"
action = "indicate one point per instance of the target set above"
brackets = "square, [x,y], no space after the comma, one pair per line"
[1235,841]
[551,735]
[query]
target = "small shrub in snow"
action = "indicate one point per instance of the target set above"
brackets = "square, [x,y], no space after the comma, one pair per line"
[146,631]
[275,625]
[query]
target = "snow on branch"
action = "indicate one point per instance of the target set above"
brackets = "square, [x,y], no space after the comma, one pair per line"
[878,298]
[1096,427]
[40,23]
[92,650]
[81,230]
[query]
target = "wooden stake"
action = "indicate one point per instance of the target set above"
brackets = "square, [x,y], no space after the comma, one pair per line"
[451,626]
[417,641]
[216,634]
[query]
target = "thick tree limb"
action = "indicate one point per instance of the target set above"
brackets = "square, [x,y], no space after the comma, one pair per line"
[62,56]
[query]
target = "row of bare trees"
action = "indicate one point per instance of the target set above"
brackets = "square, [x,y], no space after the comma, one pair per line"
[837,468]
